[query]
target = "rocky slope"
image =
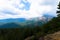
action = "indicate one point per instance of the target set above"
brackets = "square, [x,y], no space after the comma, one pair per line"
[53,36]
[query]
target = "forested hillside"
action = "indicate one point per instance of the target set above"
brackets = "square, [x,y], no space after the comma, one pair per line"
[37,31]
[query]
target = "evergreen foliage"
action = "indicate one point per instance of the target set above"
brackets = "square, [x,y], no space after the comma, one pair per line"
[58,9]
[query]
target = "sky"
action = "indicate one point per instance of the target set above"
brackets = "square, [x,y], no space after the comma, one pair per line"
[27,8]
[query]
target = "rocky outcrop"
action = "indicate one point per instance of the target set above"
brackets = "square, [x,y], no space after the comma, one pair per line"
[54,36]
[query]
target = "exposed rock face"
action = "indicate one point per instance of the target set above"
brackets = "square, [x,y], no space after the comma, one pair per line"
[54,36]
[29,38]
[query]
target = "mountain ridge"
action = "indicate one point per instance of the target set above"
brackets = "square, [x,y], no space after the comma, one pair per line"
[21,22]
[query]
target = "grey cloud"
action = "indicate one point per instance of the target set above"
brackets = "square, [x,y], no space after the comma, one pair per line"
[8,12]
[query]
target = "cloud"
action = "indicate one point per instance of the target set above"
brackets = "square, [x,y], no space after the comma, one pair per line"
[26,8]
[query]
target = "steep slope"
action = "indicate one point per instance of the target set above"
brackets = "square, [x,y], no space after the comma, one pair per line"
[54,36]
[49,31]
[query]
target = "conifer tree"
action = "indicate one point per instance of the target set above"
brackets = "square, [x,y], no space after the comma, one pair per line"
[58,9]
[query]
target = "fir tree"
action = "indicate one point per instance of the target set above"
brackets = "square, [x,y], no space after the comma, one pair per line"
[58,9]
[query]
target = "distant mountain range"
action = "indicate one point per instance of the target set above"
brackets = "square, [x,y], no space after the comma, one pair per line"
[21,22]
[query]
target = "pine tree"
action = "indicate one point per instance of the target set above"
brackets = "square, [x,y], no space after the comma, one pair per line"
[58,9]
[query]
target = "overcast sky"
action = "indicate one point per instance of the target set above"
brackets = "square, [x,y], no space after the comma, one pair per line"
[27,8]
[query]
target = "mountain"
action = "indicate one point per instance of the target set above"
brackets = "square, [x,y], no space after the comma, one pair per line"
[19,22]
[12,20]
[5,21]
[39,20]
[10,25]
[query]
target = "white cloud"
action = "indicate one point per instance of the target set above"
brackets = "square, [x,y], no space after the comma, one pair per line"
[36,9]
